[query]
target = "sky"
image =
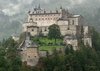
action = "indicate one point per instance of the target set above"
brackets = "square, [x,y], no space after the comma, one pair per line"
[11,7]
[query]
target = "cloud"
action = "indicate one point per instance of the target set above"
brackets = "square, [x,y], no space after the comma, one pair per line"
[11,8]
[45,1]
[75,2]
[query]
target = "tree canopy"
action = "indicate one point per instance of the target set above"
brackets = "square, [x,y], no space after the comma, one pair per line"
[54,32]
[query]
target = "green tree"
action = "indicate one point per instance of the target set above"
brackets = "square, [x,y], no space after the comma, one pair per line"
[9,57]
[54,32]
[96,40]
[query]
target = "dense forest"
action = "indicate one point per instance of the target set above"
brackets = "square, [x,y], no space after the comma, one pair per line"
[85,59]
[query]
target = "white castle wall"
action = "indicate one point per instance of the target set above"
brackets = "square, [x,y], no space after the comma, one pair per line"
[30,55]
[45,19]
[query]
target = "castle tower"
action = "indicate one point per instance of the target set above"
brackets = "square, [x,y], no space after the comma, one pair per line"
[29,51]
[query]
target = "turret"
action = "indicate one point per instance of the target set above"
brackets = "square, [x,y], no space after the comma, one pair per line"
[29,12]
[39,7]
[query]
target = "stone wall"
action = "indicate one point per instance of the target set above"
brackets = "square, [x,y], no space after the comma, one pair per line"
[68,40]
[30,55]
[45,19]
[34,31]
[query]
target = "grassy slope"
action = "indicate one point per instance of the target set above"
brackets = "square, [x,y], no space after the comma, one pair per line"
[47,44]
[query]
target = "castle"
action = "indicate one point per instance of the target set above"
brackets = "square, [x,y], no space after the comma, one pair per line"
[71,27]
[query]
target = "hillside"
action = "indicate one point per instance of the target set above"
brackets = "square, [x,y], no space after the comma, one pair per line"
[85,59]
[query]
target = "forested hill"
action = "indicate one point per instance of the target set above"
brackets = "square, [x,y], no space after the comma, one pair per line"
[85,59]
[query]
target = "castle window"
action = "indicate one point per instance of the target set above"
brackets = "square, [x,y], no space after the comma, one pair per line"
[45,29]
[68,28]
[28,56]
[45,18]
[31,19]
[42,18]
[32,29]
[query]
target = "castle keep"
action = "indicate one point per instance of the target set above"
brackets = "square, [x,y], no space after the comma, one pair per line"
[71,27]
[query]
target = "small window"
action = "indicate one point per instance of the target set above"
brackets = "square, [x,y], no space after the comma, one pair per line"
[68,28]
[32,29]
[42,18]
[45,29]
[45,18]
[28,56]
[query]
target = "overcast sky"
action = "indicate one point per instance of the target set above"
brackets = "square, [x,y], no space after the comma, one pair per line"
[11,7]
[15,12]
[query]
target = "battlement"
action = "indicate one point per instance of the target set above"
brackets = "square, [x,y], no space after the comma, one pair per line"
[39,11]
